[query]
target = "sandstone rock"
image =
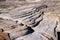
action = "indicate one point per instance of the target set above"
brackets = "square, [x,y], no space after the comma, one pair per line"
[30,19]
[33,36]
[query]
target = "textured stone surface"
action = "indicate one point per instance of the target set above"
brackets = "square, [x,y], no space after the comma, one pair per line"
[30,19]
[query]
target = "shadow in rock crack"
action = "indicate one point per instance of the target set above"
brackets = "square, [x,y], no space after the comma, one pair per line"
[55,29]
[58,35]
[30,30]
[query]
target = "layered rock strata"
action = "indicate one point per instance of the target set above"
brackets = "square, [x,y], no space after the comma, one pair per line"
[30,20]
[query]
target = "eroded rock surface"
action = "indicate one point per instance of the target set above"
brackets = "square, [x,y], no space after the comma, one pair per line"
[30,19]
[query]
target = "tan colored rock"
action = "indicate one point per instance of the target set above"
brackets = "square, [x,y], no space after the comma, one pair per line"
[53,15]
